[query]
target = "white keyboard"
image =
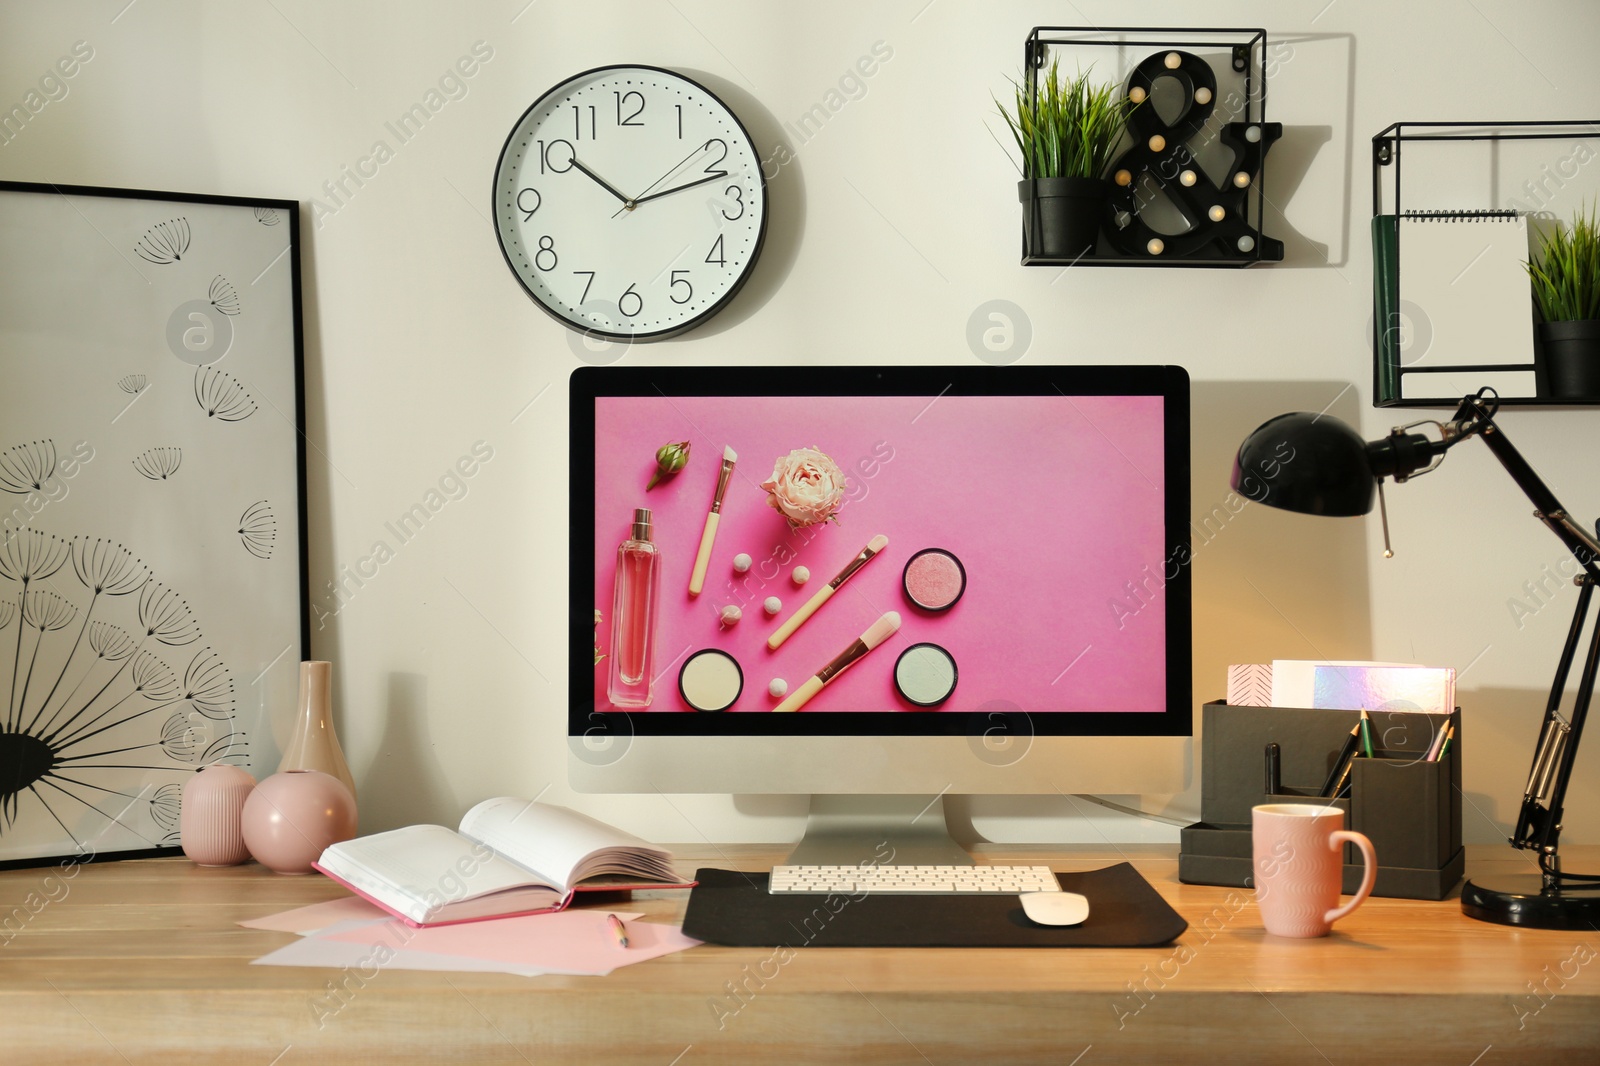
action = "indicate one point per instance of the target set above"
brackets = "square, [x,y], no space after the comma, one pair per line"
[914,880]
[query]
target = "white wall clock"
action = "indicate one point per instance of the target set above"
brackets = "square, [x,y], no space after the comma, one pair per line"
[629,202]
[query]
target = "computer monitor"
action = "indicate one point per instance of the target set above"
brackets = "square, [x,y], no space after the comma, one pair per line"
[1032,591]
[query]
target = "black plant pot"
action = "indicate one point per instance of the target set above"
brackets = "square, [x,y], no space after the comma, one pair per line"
[1062,217]
[1572,359]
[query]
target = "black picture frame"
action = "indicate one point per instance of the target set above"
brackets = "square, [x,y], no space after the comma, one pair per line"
[154,603]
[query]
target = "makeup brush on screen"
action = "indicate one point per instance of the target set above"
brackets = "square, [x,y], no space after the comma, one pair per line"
[702,559]
[881,630]
[785,631]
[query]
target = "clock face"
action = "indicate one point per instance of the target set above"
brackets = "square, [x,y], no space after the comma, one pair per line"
[629,202]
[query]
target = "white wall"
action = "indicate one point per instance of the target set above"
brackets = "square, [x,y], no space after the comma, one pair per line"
[895,223]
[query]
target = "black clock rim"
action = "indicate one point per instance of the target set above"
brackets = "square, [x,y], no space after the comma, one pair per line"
[671,331]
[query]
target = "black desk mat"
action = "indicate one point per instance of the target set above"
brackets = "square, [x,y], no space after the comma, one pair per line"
[735,910]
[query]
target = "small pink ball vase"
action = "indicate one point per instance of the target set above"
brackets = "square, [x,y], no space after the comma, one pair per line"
[211,826]
[291,817]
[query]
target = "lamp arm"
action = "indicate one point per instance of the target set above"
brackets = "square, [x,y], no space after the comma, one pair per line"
[1475,419]
[1539,821]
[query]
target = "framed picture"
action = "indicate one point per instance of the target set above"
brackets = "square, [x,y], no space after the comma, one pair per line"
[153,601]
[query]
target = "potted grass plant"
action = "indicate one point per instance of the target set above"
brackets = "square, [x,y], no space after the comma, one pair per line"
[1066,129]
[1566,289]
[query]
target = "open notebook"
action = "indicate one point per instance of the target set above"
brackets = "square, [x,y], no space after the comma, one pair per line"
[510,856]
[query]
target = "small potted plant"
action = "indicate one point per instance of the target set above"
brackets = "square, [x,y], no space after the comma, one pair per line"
[1566,290]
[1066,129]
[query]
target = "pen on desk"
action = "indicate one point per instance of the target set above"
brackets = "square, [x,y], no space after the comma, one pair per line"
[1274,774]
[1341,763]
[618,928]
[1436,748]
[1365,724]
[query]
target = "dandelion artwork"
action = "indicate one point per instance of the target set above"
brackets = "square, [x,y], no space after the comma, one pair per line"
[158,464]
[153,603]
[24,468]
[222,296]
[164,243]
[221,395]
[258,529]
[108,704]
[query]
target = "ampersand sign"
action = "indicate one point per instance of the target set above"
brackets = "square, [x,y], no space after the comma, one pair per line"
[1217,217]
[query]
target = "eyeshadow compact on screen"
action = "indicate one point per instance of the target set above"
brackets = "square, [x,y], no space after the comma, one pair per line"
[710,680]
[934,579]
[925,674]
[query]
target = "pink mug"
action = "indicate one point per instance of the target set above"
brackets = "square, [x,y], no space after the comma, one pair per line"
[1299,866]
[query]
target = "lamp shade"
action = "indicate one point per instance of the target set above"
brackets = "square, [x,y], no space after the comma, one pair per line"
[1307,463]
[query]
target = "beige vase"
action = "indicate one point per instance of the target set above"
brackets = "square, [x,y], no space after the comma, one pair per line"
[314,745]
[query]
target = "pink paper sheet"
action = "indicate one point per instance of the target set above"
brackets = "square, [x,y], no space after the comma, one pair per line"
[316,916]
[572,941]
[318,951]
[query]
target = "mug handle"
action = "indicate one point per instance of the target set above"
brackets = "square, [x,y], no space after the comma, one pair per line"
[1369,863]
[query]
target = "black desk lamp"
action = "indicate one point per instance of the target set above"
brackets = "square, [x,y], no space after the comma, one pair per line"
[1318,465]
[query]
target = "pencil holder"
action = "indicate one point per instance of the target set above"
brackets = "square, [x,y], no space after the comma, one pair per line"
[1408,806]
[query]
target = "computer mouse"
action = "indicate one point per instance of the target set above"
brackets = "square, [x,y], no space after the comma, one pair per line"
[1055,908]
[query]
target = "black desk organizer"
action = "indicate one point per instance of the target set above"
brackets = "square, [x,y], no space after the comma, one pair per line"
[1410,809]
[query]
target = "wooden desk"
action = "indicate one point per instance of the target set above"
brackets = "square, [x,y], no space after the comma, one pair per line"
[141,962]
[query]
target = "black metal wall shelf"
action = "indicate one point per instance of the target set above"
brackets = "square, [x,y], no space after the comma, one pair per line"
[1500,196]
[1224,220]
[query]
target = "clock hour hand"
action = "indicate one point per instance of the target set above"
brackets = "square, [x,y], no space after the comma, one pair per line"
[627,204]
[679,188]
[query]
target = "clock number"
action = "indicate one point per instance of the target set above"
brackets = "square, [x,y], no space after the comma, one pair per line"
[716,250]
[638,303]
[676,281]
[577,123]
[738,198]
[680,120]
[538,201]
[724,146]
[546,162]
[547,246]
[586,284]
[622,100]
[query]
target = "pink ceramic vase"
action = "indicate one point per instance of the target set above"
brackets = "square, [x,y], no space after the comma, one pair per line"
[314,745]
[211,826]
[291,817]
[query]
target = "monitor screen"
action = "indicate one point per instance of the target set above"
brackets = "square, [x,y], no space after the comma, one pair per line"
[1031,534]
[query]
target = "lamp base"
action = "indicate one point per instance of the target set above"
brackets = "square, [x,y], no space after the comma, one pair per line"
[1523,900]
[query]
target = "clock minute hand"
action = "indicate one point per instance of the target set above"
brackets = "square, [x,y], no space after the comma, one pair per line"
[674,169]
[679,188]
[598,180]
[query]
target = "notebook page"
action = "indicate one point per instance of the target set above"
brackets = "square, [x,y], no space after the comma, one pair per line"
[550,840]
[425,863]
[1473,305]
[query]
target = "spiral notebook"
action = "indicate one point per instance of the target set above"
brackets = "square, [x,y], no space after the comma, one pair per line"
[1459,310]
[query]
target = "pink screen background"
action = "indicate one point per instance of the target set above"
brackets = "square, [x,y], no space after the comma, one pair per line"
[1052,504]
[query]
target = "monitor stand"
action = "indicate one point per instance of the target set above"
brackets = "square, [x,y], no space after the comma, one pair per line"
[878,830]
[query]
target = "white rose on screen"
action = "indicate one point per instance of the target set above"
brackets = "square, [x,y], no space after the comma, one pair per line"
[806,487]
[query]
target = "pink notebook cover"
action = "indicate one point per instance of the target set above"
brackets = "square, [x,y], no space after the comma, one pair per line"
[566,900]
